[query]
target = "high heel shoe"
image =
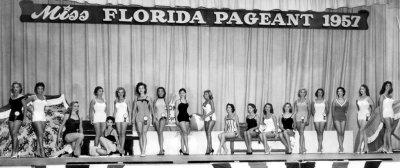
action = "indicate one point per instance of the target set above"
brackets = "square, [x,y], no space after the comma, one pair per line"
[249,153]
[180,152]
[161,153]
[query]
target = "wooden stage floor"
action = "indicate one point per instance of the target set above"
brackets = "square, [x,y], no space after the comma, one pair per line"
[180,159]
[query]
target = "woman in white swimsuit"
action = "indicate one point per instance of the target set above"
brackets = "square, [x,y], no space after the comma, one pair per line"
[364,105]
[320,111]
[387,114]
[160,117]
[122,115]
[38,117]
[97,113]
[209,119]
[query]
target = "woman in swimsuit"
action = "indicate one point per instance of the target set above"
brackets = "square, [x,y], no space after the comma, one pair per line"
[143,110]
[340,107]
[73,128]
[123,115]
[387,114]
[268,127]
[209,117]
[183,120]
[97,113]
[320,111]
[286,124]
[252,120]
[18,111]
[231,128]
[38,116]
[364,105]
[302,108]
[109,141]
[160,117]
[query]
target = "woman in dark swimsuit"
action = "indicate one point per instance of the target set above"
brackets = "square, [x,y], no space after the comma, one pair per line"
[109,141]
[183,120]
[252,120]
[73,128]
[286,124]
[18,110]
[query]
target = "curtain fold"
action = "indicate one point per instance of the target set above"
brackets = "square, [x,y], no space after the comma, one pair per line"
[239,65]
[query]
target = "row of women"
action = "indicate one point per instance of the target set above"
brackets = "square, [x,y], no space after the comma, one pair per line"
[143,110]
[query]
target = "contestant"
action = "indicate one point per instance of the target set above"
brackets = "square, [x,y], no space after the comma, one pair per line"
[18,111]
[160,117]
[109,141]
[340,107]
[387,114]
[268,127]
[143,109]
[123,115]
[302,108]
[97,112]
[286,124]
[73,128]
[38,116]
[364,105]
[209,118]
[252,120]
[320,112]
[183,120]
[231,128]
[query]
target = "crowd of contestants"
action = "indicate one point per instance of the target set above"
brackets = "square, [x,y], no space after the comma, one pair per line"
[143,110]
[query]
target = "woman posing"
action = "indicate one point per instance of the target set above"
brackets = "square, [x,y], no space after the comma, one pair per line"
[320,111]
[268,127]
[364,105]
[73,133]
[231,128]
[109,141]
[18,111]
[302,108]
[209,118]
[183,120]
[38,116]
[142,110]
[340,107]
[387,114]
[252,120]
[123,115]
[160,117]
[286,124]
[97,113]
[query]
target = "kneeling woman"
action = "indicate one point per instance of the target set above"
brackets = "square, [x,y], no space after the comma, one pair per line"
[286,124]
[73,129]
[109,141]
[252,126]
[268,127]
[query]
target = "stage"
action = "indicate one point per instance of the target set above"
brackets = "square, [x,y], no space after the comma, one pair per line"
[195,159]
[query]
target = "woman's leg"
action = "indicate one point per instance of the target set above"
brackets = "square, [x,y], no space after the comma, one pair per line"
[246,140]
[38,127]
[300,128]
[251,135]
[186,137]
[336,123]
[161,134]
[388,134]
[98,131]
[144,133]
[76,138]
[283,140]
[342,131]
[211,124]
[206,125]
[14,134]
[139,126]
[362,136]
[287,138]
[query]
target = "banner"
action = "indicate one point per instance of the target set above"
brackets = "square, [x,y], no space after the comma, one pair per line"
[98,14]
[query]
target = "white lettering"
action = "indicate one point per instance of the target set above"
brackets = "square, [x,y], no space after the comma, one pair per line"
[220,16]
[197,16]
[144,13]
[157,15]
[109,14]
[235,17]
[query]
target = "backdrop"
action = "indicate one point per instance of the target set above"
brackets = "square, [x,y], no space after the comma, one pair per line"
[239,65]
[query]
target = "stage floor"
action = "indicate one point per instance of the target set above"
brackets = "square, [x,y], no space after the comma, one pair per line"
[180,159]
